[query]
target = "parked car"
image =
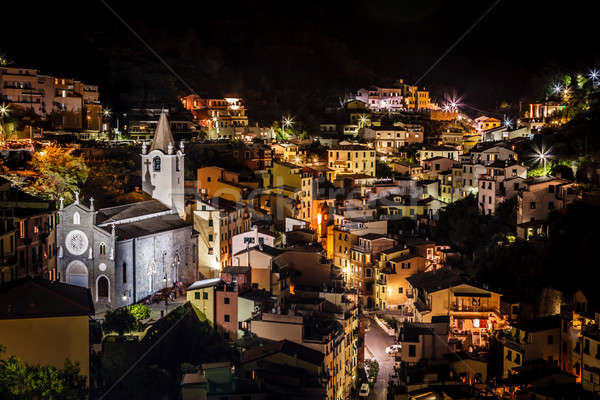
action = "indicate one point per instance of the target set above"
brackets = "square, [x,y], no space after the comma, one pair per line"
[364,390]
[393,349]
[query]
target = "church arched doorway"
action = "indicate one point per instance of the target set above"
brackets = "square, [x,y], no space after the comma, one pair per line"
[102,289]
[77,274]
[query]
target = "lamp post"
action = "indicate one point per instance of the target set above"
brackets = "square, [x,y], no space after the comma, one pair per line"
[285,122]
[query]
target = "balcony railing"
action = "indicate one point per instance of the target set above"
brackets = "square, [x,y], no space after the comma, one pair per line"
[468,308]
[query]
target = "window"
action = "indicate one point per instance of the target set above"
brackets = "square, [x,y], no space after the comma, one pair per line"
[412,350]
[177,164]
[210,222]
[156,164]
[550,205]
[532,205]
[197,295]
[368,272]
[550,339]
[204,295]
[226,318]
[102,248]
[208,179]
[210,237]
[517,358]
[76,218]
[509,355]
[124,272]
[226,300]
[400,290]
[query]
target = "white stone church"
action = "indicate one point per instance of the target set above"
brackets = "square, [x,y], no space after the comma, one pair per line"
[128,252]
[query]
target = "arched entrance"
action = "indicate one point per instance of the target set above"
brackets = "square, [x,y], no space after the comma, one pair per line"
[77,274]
[102,289]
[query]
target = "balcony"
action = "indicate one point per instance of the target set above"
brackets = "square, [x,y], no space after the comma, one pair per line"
[477,309]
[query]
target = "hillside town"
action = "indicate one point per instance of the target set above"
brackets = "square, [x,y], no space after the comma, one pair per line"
[406,246]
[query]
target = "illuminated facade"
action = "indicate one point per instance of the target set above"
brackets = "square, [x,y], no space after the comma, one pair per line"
[128,252]
[217,113]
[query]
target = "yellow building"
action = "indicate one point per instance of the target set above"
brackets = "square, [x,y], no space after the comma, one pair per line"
[534,340]
[589,364]
[217,182]
[350,160]
[474,311]
[52,325]
[395,265]
[202,296]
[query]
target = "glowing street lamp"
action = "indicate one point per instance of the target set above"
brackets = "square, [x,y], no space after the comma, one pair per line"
[106,112]
[508,122]
[557,88]
[4,110]
[594,75]
[363,120]
[542,156]
[285,122]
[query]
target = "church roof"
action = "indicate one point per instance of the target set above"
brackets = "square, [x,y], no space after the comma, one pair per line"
[132,210]
[148,226]
[162,135]
[40,298]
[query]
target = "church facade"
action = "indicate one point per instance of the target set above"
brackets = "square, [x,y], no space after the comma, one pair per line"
[128,252]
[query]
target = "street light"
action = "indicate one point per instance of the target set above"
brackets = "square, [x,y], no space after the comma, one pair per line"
[106,112]
[594,75]
[285,122]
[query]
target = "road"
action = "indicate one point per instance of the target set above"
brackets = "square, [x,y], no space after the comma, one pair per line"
[376,340]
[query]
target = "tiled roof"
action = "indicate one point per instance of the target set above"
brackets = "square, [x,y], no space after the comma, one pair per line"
[147,226]
[286,347]
[41,298]
[133,210]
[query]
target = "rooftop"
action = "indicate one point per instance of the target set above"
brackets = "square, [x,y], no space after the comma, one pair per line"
[127,211]
[287,347]
[41,298]
[204,283]
[148,226]
[539,324]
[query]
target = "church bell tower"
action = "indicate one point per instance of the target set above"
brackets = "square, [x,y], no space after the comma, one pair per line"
[163,167]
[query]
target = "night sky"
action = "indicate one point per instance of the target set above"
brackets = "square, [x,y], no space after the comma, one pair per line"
[300,56]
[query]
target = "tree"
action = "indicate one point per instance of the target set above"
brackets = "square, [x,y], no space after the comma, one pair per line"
[57,174]
[382,169]
[139,311]
[19,380]
[119,320]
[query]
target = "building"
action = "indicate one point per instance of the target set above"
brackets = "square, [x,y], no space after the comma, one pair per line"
[389,140]
[423,341]
[126,253]
[350,160]
[202,296]
[51,326]
[488,153]
[401,97]
[142,122]
[8,258]
[395,265]
[218,182]
[541,111]
[73,104]
[428,152]
[537,199]
[217,113]
[474,311]
[501,181]
[32,222]
[529,341]
[484,123]
[217,221]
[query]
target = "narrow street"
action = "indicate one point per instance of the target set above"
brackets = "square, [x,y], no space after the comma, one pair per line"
[376,340]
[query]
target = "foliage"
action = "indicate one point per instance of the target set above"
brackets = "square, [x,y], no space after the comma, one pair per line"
[119,320]
[19,380]
[139,311]
[382,169]
[57,173]
[373,370]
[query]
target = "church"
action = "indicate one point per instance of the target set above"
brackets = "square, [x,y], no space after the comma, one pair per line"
[131,251]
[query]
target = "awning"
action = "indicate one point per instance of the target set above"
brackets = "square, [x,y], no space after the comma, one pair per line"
[472,294]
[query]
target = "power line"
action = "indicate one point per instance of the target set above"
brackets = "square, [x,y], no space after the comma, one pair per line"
[457,41]
[150,49]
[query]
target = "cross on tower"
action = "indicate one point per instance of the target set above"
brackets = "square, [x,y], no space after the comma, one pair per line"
[147,162]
